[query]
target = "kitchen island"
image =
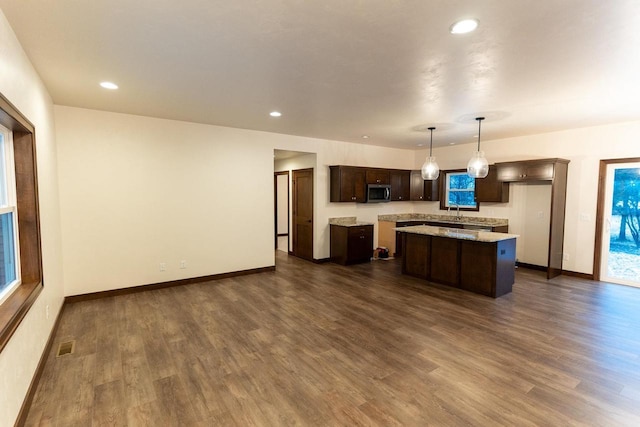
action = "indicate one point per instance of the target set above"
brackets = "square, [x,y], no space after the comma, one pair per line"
[482,262]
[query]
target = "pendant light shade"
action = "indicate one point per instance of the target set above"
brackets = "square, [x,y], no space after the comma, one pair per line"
[478,167]
[430,169]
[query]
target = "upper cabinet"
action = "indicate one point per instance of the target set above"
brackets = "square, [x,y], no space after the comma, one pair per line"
[417,186]
[528,170]
[378,176]
[422,190]
[490,189]
[400,185]
[347,184]
[554,172]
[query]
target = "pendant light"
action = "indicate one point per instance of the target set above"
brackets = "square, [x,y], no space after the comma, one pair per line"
[430,169]
[478,167]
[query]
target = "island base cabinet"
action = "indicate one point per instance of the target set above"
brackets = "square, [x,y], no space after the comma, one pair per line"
[416,262]
[444,259]
[487,269]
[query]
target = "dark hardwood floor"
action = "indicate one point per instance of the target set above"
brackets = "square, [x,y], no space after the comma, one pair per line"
[361,345]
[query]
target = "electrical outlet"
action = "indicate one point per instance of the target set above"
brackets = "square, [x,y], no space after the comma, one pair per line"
[183,264]
[585,217]
[47,311]
[540,215]
[163,266]
[565,256]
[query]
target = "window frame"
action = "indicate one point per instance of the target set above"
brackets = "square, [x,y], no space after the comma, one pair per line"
[444,191]
[9,182]
[17,305]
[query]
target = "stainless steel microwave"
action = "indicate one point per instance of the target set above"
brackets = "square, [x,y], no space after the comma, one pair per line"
[377,193]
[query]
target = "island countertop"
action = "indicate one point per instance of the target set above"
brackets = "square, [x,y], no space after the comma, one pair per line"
[457,233]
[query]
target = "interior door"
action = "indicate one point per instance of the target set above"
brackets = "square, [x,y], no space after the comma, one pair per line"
[303,213]
[619,211]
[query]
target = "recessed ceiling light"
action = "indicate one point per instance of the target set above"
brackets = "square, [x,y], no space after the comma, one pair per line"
[452,143]
[420,145]
[275,114]
[365,136]
[109,85]
[464,26]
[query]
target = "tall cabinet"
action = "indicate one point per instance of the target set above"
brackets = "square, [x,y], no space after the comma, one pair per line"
[555,172]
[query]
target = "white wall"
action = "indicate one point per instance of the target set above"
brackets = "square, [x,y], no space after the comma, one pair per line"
[584,147]
[21,85]
[136,192]
[530,217]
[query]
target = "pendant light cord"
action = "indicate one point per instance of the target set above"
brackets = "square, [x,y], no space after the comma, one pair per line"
[479,119]
[431,142]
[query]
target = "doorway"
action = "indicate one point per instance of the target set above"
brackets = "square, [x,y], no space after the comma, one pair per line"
[303,214]
[617,248]
[281,188]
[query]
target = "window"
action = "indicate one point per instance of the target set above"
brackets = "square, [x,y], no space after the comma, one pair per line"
[9,266]
[459,191]
[21,279]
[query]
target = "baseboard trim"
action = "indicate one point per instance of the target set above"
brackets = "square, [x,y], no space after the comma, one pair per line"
[585,276]
[531,266]
[161,285]
[33,386]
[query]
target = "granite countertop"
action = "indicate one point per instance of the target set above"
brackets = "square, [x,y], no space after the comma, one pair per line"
[347,221]
[457,233]
[469,220]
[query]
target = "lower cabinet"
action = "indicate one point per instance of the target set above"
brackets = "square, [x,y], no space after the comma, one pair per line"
[486,268]
[414,263]
[445,255]
[351,244]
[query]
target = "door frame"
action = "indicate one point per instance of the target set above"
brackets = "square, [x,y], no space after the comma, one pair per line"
[602,175]
[275,209]
[293,207]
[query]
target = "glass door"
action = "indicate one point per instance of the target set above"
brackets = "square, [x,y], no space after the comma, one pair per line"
[620,257]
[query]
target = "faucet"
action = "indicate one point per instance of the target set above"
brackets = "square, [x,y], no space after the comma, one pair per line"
[458,216]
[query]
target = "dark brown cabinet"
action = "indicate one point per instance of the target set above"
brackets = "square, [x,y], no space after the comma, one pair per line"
[423,190]
[347,184]
[490,189]
[378,176]
[555,172]
[400,185]
[415,263]
[486,268]
[529,170]
[445,256]
[351,244]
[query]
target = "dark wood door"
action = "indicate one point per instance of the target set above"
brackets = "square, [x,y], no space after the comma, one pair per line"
[303,213]
[400,185]
[417,186]
[378,176]
[489,189]
[354,186]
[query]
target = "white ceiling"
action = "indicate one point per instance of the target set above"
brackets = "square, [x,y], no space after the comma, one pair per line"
[340,69]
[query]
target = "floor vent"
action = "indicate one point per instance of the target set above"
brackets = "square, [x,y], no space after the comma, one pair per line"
[66,348]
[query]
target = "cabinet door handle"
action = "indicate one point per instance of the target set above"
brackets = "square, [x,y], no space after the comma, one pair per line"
[362,237]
